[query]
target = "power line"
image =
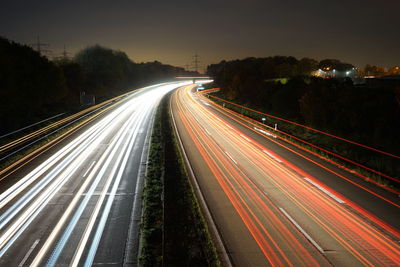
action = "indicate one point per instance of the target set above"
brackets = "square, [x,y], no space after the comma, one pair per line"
[196,62]
[39,47]
[65,53]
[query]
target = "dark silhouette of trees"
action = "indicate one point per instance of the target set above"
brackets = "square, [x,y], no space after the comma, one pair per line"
[334,64]
[366,115]
[371,70]
[30,85]
[106,72]
[33,88]
[307,66]
[75,80]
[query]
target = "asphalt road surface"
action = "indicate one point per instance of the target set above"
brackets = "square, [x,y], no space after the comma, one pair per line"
[274,204]
[79,203]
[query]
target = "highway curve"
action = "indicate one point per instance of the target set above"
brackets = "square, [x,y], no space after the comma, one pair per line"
[272,208]
[79,203]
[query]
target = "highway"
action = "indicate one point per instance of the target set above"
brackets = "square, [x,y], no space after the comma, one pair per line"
[79,203]
[275,205]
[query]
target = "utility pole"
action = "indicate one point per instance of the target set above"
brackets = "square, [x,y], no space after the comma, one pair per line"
[40,47]
[196,62]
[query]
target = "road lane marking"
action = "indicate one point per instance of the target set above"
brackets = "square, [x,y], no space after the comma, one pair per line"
[29,253]
[226,152]
[90,167]
[102,164]
[245,137]
[113,184]
[325,191]
[107,158]
[272,156]
[264,132]
[302,230]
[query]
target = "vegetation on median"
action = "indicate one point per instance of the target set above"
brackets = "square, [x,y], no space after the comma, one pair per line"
[173,230]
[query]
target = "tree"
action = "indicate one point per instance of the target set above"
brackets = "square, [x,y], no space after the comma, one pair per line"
[31,87]
[75,80]
[306,66]
[371,70]
[107,72]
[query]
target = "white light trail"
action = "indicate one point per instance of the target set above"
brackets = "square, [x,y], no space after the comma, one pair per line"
[25,200]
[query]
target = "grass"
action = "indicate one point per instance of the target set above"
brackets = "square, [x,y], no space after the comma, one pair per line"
[173,230]
[281,80]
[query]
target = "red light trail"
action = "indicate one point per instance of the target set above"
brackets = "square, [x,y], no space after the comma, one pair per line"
[277,200]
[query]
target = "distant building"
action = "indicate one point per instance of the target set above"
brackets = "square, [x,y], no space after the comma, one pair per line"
[87,100]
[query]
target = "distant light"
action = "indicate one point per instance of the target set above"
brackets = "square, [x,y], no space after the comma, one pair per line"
[347,73]
[202,81]
[263,119]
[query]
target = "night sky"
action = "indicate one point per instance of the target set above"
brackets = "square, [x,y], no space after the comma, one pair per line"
[353,31]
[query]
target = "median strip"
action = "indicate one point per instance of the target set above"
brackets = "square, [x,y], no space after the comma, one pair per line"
[172,221]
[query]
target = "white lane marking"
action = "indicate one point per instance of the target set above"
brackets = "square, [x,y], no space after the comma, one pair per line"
[302,230]
[226,152]
[207,132]
[117,169]
[272,156]
[90,167]
[245,137]
[29,253]
[324,190]
[264,132]
[113,146]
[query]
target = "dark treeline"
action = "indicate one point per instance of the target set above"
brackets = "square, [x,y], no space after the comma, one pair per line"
[33,88]
[360,113]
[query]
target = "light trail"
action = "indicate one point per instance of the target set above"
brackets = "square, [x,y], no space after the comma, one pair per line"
[87,115]
[256,124]
[30,126]
[239,119]
[96,160]
[311,129]
[261,185]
